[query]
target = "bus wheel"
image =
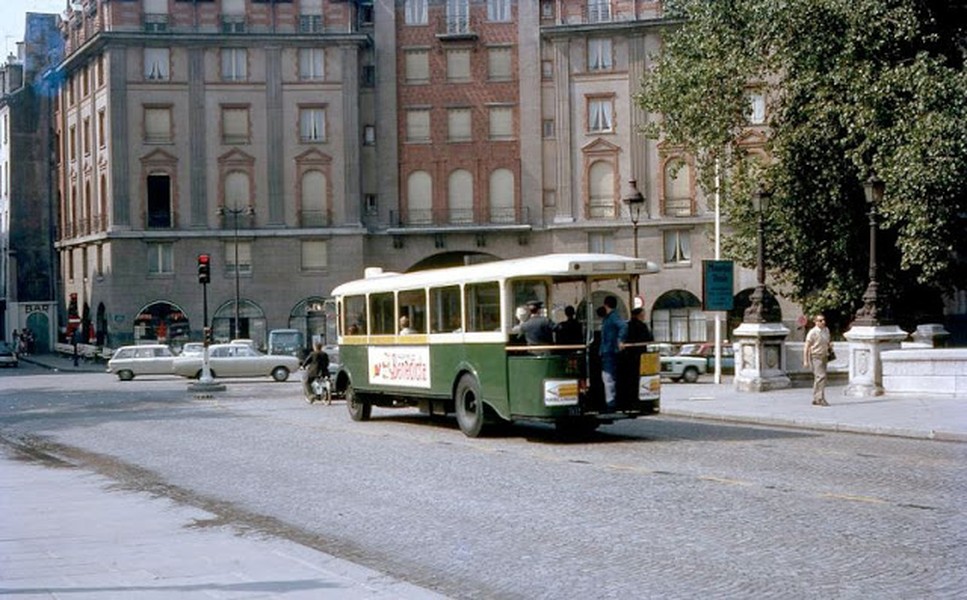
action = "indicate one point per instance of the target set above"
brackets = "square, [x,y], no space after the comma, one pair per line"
[359,409]
[470,406]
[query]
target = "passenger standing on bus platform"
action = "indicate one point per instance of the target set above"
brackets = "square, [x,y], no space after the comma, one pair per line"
[613,330]
[638,330]
[568,331]
[537,329]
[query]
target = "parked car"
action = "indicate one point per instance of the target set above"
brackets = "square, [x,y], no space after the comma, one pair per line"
[146,359]
[237,360]
[287,341]
[687,368]
[707,350]
[8,356]
[192,349]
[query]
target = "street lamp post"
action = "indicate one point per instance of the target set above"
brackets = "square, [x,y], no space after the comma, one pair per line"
[636,202]
[235,212]
[756,312]
[869,337]
[868,314]
[759,355]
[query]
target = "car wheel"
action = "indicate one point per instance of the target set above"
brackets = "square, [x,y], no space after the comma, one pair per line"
[690,375]
[359,408]
[280,373]
[125,375]
[470,406]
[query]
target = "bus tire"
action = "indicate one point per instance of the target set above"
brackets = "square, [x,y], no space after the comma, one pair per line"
[469,406]
[359,408]
[690,375]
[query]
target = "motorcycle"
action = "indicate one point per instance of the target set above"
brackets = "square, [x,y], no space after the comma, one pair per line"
[321,387]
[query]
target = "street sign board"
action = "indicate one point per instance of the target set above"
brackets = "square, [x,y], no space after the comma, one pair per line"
[717,284]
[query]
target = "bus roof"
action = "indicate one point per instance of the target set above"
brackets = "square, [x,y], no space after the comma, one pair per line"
[548,265]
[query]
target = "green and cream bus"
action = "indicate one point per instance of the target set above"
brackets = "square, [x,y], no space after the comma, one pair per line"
[445,340]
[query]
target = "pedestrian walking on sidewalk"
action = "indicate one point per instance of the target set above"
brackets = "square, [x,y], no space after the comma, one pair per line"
[815,355]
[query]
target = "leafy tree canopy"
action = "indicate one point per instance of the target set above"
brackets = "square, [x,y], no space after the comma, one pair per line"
[853,87]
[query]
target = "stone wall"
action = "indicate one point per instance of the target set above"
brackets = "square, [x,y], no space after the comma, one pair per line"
[941,371]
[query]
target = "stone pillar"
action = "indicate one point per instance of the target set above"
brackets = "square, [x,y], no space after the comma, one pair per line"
[866,343]
[930,335]
[759,357]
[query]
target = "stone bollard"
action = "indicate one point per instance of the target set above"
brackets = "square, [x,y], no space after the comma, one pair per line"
[930,335]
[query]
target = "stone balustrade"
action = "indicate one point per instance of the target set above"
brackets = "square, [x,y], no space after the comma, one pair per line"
[941,371]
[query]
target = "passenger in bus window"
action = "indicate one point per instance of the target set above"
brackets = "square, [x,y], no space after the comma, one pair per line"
[405,326]
[612,332]
[522,314]
[537,330]
[568,331]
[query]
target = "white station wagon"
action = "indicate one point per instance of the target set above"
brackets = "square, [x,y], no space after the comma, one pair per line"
[237,360]
[145,359]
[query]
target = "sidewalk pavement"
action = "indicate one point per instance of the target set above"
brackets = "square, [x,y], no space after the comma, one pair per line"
[67,533]
[911,416]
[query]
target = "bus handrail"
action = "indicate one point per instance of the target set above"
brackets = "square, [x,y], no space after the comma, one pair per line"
[546,348]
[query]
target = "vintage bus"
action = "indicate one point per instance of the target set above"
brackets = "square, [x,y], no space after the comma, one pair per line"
[444,340]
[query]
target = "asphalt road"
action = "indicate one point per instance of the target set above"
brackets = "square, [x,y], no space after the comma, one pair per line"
[655,508]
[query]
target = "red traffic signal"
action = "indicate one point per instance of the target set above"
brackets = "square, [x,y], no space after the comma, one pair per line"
[204,268]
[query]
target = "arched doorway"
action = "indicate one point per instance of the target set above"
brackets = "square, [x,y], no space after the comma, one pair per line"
[39,325]
[251,322]
[162,322]
[677,317]
[315,317]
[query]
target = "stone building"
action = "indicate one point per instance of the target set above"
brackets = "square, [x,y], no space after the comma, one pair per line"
[28,298]
[298,141]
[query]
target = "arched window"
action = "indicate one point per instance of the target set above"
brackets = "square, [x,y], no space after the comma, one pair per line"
[601,192]
[460,197]
[678,188]
[419,198]
[502,197]
[314,199]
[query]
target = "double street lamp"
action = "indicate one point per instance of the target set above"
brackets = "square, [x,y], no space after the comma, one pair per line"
[756,311]
[235,212]
[868,314]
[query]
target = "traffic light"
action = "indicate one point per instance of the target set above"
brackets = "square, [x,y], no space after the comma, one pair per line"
[204,268]
[207,333]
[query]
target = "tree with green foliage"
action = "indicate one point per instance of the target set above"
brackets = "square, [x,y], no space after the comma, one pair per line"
[854,87]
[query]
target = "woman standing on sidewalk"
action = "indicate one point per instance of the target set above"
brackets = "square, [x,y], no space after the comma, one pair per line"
[815,355]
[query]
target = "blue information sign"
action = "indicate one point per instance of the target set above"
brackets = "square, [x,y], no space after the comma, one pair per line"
[717,282]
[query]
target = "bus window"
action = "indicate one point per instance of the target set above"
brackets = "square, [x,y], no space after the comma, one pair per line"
[483,306]
[413,306]
[445,309]
[381,314]
[524,291]
[354,315]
